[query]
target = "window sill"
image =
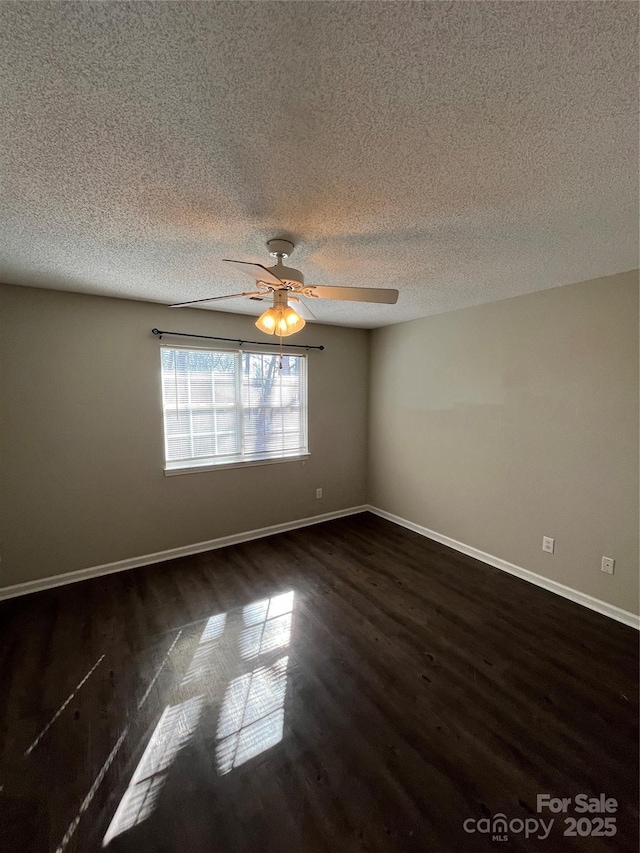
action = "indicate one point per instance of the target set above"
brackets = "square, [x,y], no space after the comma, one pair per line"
[222,466]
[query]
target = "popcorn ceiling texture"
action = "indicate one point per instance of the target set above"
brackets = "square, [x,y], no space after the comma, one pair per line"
[461,152]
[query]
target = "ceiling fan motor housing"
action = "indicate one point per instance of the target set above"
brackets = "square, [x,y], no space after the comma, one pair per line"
[287,274]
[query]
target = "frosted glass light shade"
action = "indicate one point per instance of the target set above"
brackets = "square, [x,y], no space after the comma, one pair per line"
[280,320]
[267,322]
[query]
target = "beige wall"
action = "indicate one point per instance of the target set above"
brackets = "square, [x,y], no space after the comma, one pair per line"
[82,439]
[494,425]
[499,424]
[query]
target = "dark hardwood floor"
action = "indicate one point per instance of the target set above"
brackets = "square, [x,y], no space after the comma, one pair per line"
[346,687]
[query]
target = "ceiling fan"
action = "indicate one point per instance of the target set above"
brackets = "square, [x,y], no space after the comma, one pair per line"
[285,285]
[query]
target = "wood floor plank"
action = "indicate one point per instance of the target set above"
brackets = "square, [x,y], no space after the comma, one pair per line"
[350,686]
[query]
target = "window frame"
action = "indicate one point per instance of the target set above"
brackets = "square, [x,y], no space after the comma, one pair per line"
[194,466]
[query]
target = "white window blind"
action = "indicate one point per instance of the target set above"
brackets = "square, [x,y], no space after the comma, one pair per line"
[231,407]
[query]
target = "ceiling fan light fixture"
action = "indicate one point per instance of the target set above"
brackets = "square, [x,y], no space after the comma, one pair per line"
[280,319]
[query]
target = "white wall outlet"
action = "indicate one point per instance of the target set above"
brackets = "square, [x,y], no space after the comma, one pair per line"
[548,544]
[318,493]
[608,565]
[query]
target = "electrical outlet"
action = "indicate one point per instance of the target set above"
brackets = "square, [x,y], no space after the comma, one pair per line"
[548,544]
[318,493]
[608,565]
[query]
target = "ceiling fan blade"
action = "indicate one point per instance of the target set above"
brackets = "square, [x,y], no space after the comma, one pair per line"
[353,294]
[302,308]
[256,271]
[213,298]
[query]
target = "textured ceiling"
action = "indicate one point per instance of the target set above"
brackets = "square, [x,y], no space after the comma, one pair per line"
[461,152]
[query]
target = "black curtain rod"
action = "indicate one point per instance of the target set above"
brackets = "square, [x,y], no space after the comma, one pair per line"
[159,333]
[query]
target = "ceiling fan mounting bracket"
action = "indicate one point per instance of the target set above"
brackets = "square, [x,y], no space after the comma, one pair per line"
[279,248]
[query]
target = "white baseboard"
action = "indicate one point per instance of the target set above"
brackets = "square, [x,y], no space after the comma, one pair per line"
[582,598]
[171,554]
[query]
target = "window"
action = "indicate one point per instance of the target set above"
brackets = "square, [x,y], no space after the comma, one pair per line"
[225,408]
